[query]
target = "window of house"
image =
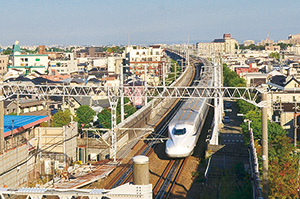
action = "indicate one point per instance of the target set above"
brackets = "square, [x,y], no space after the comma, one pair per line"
[22,59]
[26,59]
[294,98]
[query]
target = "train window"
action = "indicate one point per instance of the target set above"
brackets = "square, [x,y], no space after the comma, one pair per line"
[179,131]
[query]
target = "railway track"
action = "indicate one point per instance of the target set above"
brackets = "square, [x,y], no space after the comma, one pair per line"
[125,174]
[166,182]
[164,186]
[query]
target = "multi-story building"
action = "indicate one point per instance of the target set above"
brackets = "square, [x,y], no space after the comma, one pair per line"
[227,45]
[151,58]
[3,64]
[66,65]
[266,41]
[272,48]
[248,42]
[29,62]
[294,49]
[294,39]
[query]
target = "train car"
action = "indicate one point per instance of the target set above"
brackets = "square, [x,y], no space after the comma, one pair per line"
[185,128]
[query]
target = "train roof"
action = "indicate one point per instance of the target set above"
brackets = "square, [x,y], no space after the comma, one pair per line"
[188,112]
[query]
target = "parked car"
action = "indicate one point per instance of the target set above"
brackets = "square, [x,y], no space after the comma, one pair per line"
[226,119]
[228,105]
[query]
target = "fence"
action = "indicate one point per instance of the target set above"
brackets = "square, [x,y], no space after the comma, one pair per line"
[254,166]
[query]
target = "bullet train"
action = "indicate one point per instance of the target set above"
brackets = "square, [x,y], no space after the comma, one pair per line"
[185,128]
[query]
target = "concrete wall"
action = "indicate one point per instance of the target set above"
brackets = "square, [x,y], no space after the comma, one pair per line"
[12,172]
[61,140]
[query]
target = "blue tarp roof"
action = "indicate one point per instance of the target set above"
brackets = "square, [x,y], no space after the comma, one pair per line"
[20,121]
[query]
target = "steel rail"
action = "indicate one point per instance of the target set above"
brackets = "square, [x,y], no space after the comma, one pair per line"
[126,173]
[171,178]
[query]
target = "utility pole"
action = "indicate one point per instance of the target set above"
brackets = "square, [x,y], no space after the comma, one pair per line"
[264,118]
[122,92]
[63,100]
[48,110]
[145,84]
[163,75]
[181,62]
[18,104]
[1,121]
[295,123]
[175,71]
[187,53]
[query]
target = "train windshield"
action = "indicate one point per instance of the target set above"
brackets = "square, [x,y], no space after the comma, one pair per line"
[179,131]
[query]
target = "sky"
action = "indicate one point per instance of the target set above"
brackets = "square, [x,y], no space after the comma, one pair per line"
[122,22]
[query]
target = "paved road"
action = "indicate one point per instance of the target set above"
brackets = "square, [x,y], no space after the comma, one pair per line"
[230,152]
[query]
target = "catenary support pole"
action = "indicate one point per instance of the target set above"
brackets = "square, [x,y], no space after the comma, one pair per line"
[295,124]
[264,118]
[1,121]
[145,83]
[113,100]
[18,104]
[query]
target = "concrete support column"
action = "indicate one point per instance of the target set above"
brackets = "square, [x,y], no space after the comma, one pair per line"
[264,118]
[140,170]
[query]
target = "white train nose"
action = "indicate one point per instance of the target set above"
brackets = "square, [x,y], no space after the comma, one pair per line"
[174,151]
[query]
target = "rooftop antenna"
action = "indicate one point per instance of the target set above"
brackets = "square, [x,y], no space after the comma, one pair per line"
[128,39]
[188,56]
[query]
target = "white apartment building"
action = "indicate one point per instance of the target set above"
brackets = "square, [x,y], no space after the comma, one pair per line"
[113,65]
[152,58]
[294,49]
[28,62]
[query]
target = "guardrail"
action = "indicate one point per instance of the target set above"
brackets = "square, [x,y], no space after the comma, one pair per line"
[207,170]
[254,166]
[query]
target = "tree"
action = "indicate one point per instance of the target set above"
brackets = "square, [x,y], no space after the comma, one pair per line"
[283,161]
[275,55]
[104,117]
[62,118]
[283,46]
[8,51]
[84,115]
